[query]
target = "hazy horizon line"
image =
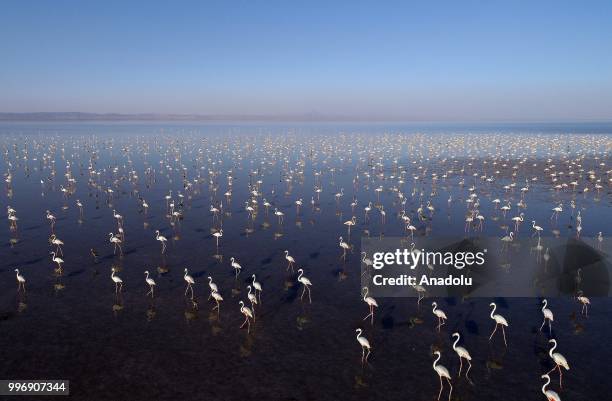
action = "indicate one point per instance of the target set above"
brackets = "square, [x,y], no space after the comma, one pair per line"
[299,117]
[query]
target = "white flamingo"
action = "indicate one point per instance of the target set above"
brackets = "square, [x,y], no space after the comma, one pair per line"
[345,246]
[585,303]
[371,304]
[548,315]
[20,281]
[442,373]
[248,315]
[559,360]
[236,266]
[150,282]
[57,260]
[462,353]
[305,283]
[113,239]
[258,288]
[218,235]
[549,394]
[190,282]
[218,298]
[290,261]
[365,344]
[350,223]
[161,239]
[499,321]
[439,314]
[537,229]
[117,280]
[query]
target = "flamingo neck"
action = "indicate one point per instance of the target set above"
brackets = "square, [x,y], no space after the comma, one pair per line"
[552,349]
[455,343]
[493,311]
[545,385]
[436,361]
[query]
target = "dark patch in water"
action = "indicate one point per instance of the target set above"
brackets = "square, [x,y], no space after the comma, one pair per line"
[472,327]
[75,273]
[388,322]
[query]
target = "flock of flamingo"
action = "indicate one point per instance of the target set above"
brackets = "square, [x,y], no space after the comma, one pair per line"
[407,180]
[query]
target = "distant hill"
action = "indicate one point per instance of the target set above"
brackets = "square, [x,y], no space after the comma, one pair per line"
[78,116]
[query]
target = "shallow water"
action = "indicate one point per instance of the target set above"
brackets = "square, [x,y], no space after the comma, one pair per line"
[131,347]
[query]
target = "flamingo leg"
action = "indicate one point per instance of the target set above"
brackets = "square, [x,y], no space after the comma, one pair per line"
[309,298]
[493,333]
[543,323]
[367,355]
[460,366]
[441,387]
[549,327]
[468,370]
[504,333]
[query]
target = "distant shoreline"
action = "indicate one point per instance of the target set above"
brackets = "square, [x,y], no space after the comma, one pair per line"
[313,117]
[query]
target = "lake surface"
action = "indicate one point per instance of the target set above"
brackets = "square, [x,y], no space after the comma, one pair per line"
[72,325]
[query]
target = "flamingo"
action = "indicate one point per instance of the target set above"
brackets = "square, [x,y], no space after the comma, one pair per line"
[548,315]
[150,282]
[236,266]
[218,298]
[279,214]
[118,282]
[80,206]
[290,260]
[190,282]
[462,353]
[350,223]
[499,321]
[20,281]
[550,395]
[161,239]
[367,210]
[113,239]
[213,286]
[537,229]
[559,360]
[253,299]
[371,304]
[248,314]
[442,373]
[345,246]
[57,260]
[257,287]
[365,344]
[218,235]
[439,314]
[306,284]
[518,220]
[58,243]
[585,303]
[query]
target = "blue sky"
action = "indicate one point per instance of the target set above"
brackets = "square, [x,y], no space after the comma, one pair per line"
[456,60]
